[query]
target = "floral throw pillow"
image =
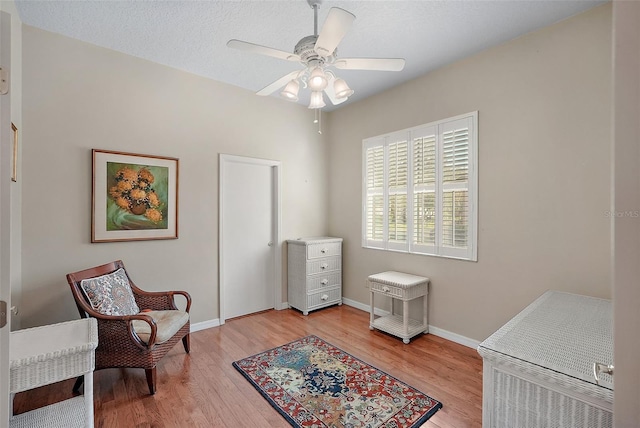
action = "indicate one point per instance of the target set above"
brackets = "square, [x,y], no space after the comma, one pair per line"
[110,294]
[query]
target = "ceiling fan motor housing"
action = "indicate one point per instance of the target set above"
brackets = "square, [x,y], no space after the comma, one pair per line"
[305,49]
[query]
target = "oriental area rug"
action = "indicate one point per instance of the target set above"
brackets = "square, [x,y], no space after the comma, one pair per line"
[314,384]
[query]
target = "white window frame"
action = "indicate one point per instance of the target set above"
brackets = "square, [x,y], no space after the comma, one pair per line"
[437,128]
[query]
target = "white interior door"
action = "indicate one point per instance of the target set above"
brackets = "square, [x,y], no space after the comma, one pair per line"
[6,147]
[248,235]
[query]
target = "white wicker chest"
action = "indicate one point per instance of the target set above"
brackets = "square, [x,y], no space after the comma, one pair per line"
[52,353]
[538,367]
[314,273]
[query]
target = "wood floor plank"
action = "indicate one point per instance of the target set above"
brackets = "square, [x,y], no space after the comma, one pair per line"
[202,389]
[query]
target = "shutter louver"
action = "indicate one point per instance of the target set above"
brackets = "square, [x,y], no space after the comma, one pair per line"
[455,184]
[375,197]
[455,221]
[375,217]
[424,179]
[424,225]
[397,223]
[375,168]
[424,160]
[455,157]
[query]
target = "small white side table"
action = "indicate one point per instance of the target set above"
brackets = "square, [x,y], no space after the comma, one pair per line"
[400,286]
[51,353]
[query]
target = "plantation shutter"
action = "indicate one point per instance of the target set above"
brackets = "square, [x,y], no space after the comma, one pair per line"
[397,174]
[424,189]
[455,226]
[374,189]
[420,189]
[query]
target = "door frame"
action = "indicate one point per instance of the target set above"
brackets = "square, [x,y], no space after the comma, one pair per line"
[276,168]
[5,220]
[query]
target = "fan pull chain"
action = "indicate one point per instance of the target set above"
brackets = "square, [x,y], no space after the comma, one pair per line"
[318,120]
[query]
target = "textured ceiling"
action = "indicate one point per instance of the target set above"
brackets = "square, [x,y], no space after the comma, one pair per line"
[192,35]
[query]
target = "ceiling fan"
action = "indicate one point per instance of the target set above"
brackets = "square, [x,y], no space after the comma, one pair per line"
[318,54]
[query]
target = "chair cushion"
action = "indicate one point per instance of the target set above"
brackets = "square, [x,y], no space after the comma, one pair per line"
[167,322]
[110,294]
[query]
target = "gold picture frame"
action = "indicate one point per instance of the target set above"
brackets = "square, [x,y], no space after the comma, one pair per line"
[14,168]
[134,197]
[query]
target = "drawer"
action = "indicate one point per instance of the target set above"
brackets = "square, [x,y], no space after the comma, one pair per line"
[324,297]
[387,290]
[324,265]
[408,293]
[315,251]
[326,280]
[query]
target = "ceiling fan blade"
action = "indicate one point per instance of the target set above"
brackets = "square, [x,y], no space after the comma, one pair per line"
[262,50]
[335,27]
[379,64]
[270,89]
[331,93]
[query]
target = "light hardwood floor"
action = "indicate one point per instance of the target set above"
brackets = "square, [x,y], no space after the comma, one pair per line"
[202,389]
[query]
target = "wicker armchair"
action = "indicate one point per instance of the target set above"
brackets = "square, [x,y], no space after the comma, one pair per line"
[138,340]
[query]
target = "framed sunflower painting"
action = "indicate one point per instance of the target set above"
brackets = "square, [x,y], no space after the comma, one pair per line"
[135,197]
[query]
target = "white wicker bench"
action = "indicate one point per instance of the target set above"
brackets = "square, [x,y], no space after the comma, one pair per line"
[538,367]
[44,355]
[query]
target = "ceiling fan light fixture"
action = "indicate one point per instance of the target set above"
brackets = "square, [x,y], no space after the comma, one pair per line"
[317,100]
[290,92]
[318,80]
[318,55]
[341,89]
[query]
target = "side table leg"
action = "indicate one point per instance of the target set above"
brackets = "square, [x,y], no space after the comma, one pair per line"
[371,315]
[88,399]
[425,319]
[405,320]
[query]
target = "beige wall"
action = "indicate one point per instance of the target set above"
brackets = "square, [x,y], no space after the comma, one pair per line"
[626,198]
[78,97]
[544,103]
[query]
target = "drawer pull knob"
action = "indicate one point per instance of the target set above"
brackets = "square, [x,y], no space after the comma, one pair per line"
[324,266]
[324,250]
[324,297]
[386,289]
[324,281]
[601,368]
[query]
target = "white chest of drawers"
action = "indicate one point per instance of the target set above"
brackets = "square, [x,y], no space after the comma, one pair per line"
[314,273]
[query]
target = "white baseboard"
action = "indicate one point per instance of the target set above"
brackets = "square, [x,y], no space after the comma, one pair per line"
[216,322]
[454,337]
[364,307]
[204,325]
